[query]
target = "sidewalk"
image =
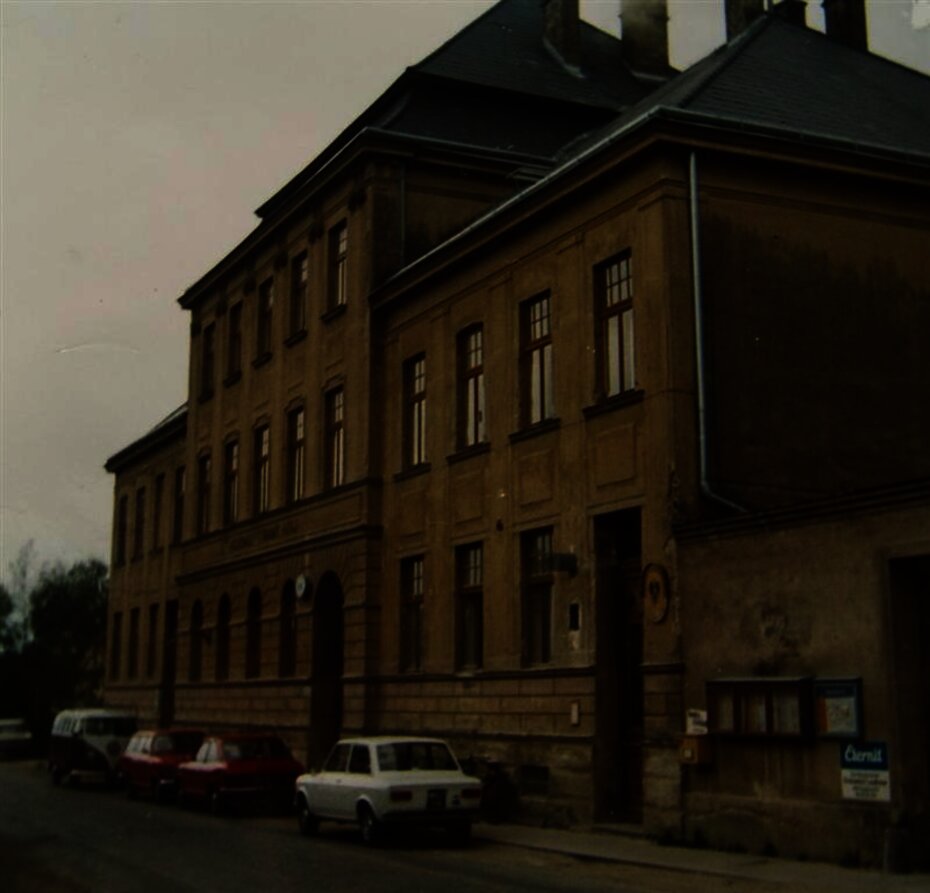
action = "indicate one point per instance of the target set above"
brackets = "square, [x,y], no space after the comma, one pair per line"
[608,847]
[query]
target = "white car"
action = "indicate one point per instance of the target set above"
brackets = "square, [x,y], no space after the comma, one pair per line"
[376,782]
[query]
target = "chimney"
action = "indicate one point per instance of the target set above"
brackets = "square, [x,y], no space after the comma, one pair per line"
[740,14]
[645,36]
[846,23]
[562,30]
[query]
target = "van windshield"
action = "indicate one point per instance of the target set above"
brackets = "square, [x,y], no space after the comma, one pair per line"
[119,726]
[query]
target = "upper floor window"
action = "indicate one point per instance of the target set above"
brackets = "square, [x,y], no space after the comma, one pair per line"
[234,343]
[536,399]
[614,320]
[204,472]
[180,484]
[207,361]
[300,274]
[411,619]
[231,483]
[263,324]
[122,528]
[337,267]
[471,425]
[261,471]
[335,434]
[469,609]
[295,455]
[157,508]
[415,412]
[138,537]
[536,561]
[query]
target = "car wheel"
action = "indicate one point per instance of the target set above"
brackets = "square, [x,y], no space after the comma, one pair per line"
[368,825]
[307,822]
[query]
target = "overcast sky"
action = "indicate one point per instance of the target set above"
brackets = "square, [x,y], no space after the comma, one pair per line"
[137,139]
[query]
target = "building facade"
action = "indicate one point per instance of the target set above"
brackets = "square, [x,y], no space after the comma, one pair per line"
[571,451]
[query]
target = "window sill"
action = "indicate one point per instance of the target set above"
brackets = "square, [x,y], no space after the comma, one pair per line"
[416,471]
[479,449]
[295,338]
[539,428]
[262,359]
[333,313]
[232,378]
[609,404]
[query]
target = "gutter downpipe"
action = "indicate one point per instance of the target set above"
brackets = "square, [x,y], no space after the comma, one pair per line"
[698,295]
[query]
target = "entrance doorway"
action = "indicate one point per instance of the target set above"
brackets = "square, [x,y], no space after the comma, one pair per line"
[326,684]
[910,615]
[618,743]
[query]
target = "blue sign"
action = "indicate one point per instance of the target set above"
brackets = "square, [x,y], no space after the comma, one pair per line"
[872,755]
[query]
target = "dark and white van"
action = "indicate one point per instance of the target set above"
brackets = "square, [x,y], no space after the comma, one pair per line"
[86,744]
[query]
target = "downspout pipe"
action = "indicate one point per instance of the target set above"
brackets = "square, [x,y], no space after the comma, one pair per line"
[698,296]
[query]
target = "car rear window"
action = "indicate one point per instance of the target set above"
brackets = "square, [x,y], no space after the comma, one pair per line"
[406,756]
[120,726]
[255,749]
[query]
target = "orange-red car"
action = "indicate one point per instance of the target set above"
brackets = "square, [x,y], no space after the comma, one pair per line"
[238,767]
[151,759]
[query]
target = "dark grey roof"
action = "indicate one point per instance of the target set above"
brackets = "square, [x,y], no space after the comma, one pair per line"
[170,428]
[504,49]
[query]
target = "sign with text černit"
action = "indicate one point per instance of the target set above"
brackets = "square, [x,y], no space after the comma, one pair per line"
[864,771]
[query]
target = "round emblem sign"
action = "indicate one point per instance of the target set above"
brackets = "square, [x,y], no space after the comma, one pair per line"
[655,592]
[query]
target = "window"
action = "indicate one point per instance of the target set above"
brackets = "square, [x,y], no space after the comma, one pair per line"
[536,559]
[298,304]
[767,707]
[338,266]
[471,430]
[195,667]
[138,536]
[287,633]
[179,487]
[122,528]
[411,620]
[151,653]
[204,471]
[207,361]
[613,282]
[536,398]
[261,470]
[234,344]
[335,446]
[116,644]
[132,663]
[415,412]
[469,597]
[295,455]
[253,635]
[263,327]
[360,761]
[231,483]
[222,639]
[157,510]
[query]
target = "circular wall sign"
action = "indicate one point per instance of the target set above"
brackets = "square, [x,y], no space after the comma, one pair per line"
[300,586]
[655,592]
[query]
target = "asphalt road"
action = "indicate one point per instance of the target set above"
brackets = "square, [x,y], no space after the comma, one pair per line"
[64,839]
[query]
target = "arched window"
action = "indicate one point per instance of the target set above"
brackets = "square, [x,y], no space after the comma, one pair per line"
[196,655]
[222,639]
[253,635]
[287,641]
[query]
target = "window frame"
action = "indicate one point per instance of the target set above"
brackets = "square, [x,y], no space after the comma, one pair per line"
[412,579]
[261,470]
[337,266]
[536,589]
[472,397]
[122,529]
[231,460]
[537,386]
[138,533]
[469,594]
[264,316]
[234,344]
[415,410]
[334,433]
[180,492]
[296,454]
[297,302]
[204,495]
[615,326]
[207,360]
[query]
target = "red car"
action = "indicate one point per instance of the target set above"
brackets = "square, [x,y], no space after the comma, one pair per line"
[238,767]
[151,759]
